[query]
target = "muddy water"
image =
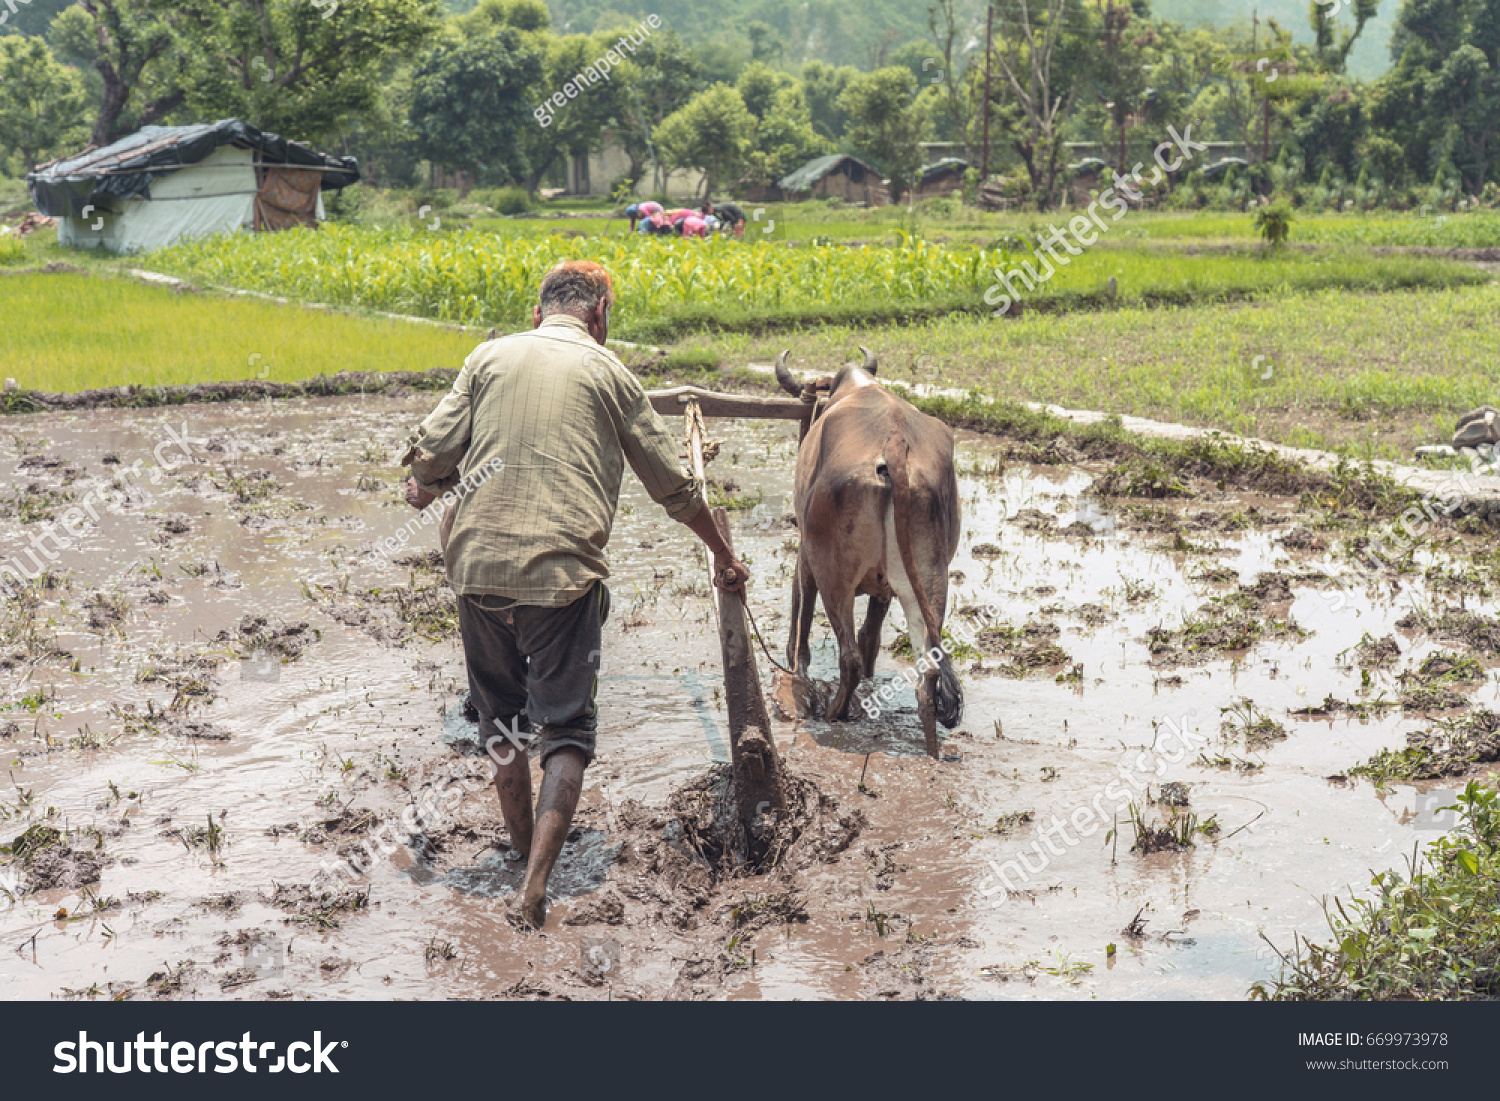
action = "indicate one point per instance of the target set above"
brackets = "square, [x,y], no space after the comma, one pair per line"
[912,908]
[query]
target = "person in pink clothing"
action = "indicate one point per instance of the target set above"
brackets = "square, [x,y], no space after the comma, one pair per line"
[642,213]
[694,225]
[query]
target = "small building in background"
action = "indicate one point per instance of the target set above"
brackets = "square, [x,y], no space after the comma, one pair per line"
[1086,178]
[940,179]
[841,175]
[164,183]
[594,173]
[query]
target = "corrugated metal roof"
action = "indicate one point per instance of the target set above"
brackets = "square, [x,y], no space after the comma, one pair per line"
[815,169]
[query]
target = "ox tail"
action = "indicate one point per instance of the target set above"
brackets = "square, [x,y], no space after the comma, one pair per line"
[948,698]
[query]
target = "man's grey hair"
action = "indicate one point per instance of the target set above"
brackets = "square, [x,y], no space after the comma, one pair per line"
[576,287]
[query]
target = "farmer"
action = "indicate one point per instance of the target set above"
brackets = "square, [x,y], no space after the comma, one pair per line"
[658,224]
[671,221]
[731,216]
[642,212]
[526,553]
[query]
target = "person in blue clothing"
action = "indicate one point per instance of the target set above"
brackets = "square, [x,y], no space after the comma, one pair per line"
[642,213]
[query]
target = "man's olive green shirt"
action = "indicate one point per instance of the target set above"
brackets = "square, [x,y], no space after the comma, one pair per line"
[539,425]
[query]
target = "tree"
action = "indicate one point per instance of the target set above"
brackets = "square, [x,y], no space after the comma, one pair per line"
[1036,66]
[468,105]
[920,58]
[284,65]
[784,137]
[138,48]
[526,16]
[599,103]
[758,85]
[662,76]
[886,123]
[32,19]
[1119,72]
[1441,102]
[765,41]
[1332,44]
[714,132]
[289,66]
[962,93]
[822,85]
[43,104]
[382,138]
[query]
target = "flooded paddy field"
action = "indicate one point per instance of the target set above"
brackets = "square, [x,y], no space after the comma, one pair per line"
[214,697]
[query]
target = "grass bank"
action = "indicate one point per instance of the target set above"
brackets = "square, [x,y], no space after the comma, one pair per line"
[71,331]
[1370,375]
[1433,934]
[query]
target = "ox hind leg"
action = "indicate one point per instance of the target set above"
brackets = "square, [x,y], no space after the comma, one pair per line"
[840,609]
[869,634]
[804,604]
[928,669]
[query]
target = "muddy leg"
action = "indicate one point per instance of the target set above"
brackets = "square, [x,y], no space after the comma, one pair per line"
[840,611]
[926,688]
[562,783]
[804,604]
[869,634]
[513,786]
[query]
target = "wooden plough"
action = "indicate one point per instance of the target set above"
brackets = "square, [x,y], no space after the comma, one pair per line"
[759,783]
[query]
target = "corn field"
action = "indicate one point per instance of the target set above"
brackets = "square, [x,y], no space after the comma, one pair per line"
[476,278]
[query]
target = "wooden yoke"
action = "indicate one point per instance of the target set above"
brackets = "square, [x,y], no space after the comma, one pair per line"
[755,762]
[674,403]
[670,403]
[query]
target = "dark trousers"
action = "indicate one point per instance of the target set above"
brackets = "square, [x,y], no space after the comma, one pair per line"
[535,668]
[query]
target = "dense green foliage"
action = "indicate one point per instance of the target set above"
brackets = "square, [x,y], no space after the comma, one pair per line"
[740,98]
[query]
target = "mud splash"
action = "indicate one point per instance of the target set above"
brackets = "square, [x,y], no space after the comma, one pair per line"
[215,695]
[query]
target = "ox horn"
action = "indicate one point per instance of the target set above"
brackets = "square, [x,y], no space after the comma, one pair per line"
[785,377]
[870,362]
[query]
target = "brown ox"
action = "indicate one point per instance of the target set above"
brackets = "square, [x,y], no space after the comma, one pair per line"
[876,498]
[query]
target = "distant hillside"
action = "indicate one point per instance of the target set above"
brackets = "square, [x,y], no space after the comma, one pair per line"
[865,32]
[840,32]
[31,16]
[1371,55]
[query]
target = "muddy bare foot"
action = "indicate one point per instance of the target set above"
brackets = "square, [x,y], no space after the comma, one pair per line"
[528,915]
